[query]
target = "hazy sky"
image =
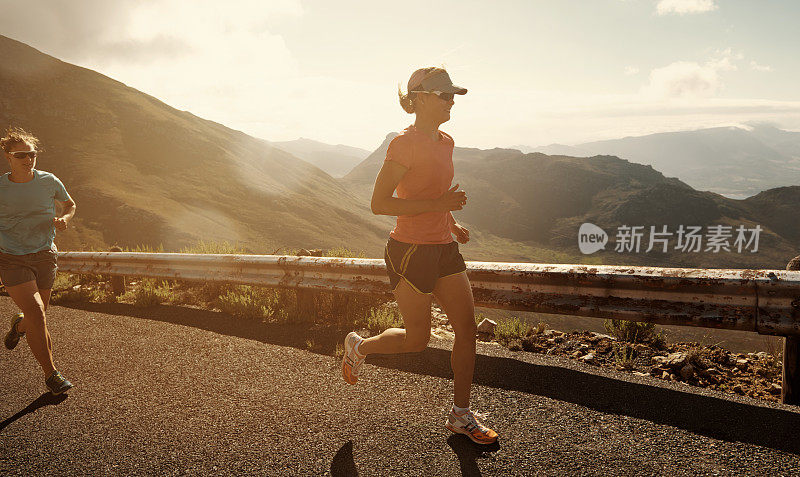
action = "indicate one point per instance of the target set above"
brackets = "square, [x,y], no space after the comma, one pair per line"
[538,72]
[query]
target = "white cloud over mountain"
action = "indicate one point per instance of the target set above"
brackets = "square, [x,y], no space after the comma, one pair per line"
[691,79]
[683,7]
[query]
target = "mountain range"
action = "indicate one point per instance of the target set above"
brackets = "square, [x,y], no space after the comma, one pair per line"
[144,173]
[737,162]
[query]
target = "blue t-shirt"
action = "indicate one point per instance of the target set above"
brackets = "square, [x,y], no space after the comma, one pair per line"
[27,211]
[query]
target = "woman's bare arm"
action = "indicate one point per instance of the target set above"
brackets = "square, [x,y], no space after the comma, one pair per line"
[383,202]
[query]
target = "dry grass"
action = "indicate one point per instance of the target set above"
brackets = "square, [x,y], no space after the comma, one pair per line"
[510,329]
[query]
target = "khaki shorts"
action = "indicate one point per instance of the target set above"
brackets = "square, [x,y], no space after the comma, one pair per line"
[38,266]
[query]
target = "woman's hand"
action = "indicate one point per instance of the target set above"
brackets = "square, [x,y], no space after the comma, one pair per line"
[461,233]
[453,199]
[60,223]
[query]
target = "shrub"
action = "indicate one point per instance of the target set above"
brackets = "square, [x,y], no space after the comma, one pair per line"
[344,253]
[632,331]
[244,301]
[624,355]
[511,328]
[77,294]
[146,248]
[73,288]
[381,318]
[213,248]
[148,292]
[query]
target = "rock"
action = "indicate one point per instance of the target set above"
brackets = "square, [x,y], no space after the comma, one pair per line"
[775,388]
[600,336]
[487,326]
[665,375]
[603,346]
[577,354]
[738,389]
[761,355]
[741,364]
[583,347]
[638,373]
[687,372]
[530,343]
[589,358]
[676,360]
[659,360]
[487,337]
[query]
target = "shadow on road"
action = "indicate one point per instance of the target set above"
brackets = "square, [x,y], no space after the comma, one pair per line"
[468,453]
[343,464]
[705,415]
[46,399]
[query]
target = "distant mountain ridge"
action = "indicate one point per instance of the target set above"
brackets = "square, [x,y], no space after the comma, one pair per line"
[336,160]
[522,202]
[733,161]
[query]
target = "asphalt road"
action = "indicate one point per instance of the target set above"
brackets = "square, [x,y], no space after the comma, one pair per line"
[176,391]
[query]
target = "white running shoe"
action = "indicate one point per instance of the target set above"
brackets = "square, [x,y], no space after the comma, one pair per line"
[471,427]
[351,361]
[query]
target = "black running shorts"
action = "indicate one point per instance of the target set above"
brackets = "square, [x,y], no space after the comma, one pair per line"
[421,265]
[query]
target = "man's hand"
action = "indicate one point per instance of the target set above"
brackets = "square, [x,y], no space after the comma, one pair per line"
[60,223]
[461,233]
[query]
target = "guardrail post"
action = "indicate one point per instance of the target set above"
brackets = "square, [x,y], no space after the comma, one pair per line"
[117,281]
[306,307]
[790,393]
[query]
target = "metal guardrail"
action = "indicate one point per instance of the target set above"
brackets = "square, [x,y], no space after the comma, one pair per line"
[763,301]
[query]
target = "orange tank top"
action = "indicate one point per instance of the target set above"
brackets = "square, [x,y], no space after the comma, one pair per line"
[429,175]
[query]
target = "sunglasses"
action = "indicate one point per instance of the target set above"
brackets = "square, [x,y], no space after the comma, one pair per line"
[23,154]
[442,96]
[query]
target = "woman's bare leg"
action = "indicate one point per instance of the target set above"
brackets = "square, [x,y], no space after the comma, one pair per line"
[416,310]
[455,295]
[45,294]
[27,297]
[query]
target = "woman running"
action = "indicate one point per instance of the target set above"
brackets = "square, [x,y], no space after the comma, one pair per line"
[422,259]
[28,223]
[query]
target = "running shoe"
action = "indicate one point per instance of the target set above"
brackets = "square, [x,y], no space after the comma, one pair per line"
[57,383]
[351,361]
[471,427]
[13,336]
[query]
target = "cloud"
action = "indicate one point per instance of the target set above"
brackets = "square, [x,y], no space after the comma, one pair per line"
[756,67]
[683,7]
[683,79]
[631,70]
